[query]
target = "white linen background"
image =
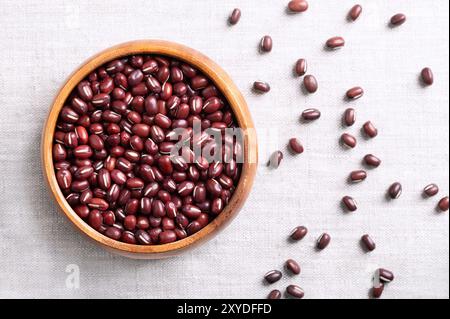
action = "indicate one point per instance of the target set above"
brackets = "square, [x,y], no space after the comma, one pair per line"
[42,42]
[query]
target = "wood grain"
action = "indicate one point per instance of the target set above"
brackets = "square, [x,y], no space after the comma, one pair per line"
[234,98]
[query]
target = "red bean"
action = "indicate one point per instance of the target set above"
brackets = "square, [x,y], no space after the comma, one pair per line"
[355,12]
[113,148]
[323,241]
[64,178]
[295,146]
[301,67]
[398,19]
[266,44]
[335,43]
[310,83]
[235,16]
[298,233]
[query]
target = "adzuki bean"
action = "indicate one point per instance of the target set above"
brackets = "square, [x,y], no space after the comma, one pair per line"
[349,117]
[311,114]
[295,291]
[293,266]
[427,76]
[355,93]
[368,242]
[395,190]
[372,160]
[301,67]
[323,241]
[274,294]
[431,190]
[378,290]
[370,130]
[335,43]
[398,19]
[348,140]
[273,276]
[298,233]
[355,12]
[295,146]
[298,6]
[266,44]
[350,203]
[310,83]
[113,146]
[262,87]
[443,204]
[235,16]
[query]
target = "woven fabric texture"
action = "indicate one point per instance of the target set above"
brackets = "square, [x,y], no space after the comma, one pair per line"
[42,42]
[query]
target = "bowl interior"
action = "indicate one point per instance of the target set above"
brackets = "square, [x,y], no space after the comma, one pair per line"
[228,90]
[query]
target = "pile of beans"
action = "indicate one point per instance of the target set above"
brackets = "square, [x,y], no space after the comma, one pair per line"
[113,150]
[310,86]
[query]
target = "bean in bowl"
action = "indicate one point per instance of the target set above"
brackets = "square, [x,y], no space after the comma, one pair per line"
[147,150]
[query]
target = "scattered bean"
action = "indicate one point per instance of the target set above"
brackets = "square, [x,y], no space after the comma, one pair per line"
[262,87]
[355,93]
[311,114]
[427,76]
[348,140]
[431,190]
[443,204]
[273,276]
[335,43]
[385,275]
[301,67]
[235,16]
[293,266]
[298,233]
[295,291]
[368,242]
[295,146]
[355,12]
[398,19]
[370,130]
[372,160]
[349,117]
[274,294]
[310,83]
[378,290]
[395,190]
[350,203]
[298,6]
[266,44]
[358,176]
[323,241]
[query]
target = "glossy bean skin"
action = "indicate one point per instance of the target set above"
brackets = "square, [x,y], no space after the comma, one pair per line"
[427,76]
[310,83]
[295,291]
[398,19]
[113,156]
[295,146]
[266,44]
[301,67]
[335,43]
[323,241]
[297,6]
[355,12]
[395,190]
[298,233]
[368,242]
[273,276]
[235,16]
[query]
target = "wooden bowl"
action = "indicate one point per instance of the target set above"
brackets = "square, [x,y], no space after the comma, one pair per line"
[235,100]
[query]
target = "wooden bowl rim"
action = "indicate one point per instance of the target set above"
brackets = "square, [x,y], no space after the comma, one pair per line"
[225,85]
